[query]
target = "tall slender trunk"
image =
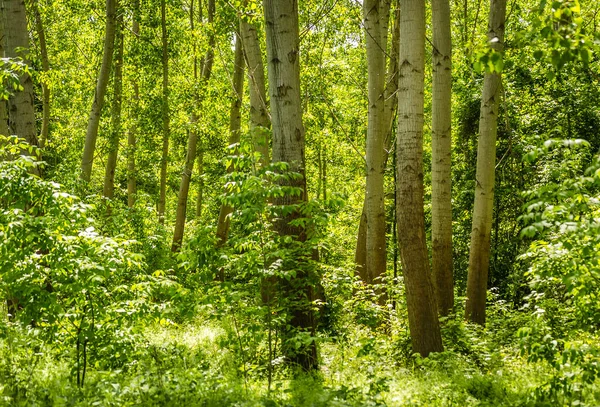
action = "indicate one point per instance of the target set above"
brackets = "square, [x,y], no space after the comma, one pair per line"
[3,109]
[200,196]
[324,174]
[235,120]
[162,200]
[21,113]
[376,17]
[39,27]
[281,21]
[259,115]
[479,258]
[133,129]
[390,107]
[91,135]
[207,63]
[391,87]
[420,298]
[115,131]
[192,148]
[441,154]
[190,157]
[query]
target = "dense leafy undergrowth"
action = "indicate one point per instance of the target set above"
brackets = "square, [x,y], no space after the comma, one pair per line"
[198,364]
[101,313]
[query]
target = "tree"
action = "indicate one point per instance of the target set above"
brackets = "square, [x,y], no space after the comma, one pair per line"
[166,130]
[390,107]
[207,65]
[192,148]
[376,20]
[281,20]
[259,115]
[115,131]
[235,120]
[21,114]
[39,27]
[133,129]
[479,255]
[420,297]
[441,152]
[91,135]
[3,111]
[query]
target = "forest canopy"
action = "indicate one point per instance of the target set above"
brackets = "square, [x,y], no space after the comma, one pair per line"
[299,203]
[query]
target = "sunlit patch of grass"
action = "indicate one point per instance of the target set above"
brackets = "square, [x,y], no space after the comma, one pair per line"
[199,334]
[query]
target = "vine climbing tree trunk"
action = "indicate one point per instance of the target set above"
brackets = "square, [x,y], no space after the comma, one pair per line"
[479,256]
[281,21]
[91,135]
[441,180]
[166,124]
[420,299]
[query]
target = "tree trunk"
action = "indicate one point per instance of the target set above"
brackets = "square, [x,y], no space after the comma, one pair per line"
[192,147]
[20,109]
[479,257]
[281,21]
[115,132]
[259,116]
[162,200]
[133,130]
[376,16]
[420,297]
[391,87]
[3,109]
[390,107]
[39,26]
[207,63]
[324,181]
[94,120]
[441,180]
[360,254]
[235,120]
[200,196]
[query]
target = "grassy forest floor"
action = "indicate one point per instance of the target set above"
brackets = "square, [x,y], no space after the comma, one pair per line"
[205,363]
